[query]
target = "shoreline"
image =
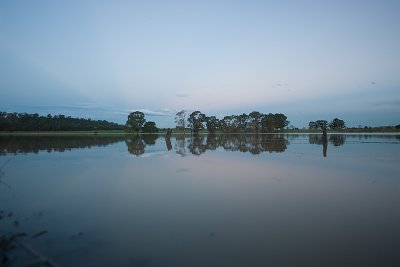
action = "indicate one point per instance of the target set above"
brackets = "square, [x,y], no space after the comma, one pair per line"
[119,133]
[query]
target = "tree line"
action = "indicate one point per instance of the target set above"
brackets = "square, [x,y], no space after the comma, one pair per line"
[34,122]
[137,122]
[253,122]
[335,124]
[196,121]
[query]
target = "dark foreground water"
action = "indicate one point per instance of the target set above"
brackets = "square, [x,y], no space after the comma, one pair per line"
[267,200]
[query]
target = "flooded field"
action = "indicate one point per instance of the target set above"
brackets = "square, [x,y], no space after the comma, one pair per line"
[238,200]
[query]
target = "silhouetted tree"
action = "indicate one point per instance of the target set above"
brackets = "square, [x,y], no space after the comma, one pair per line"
[241,122]
[228,124]
[256,118]
[280,121]
[196,121]
[322,124]
[337,124]
[150,127]
[136,120]
[312,125]
[212,124]
[268,123]
[180,119]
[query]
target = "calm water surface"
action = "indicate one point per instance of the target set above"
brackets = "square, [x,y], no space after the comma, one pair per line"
[267,200]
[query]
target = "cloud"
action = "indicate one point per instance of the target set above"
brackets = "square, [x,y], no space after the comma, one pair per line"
[78,107]
[394,102]
[149,112]
[280,85]
[89,108]
[183,95]
[73,106]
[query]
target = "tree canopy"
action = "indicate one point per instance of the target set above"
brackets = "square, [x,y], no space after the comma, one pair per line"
[253,122]
[150,127]
[180,118]
[196,121]
[335,124]
[35,122]
[136,121]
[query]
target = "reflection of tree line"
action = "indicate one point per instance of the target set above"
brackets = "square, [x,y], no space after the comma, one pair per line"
[136,143]
[254,144]
[34,144]
[365,136]
[197,145]
[334,139]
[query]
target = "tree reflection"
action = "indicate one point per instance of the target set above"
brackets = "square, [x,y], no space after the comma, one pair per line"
[150,139]
[250,143]
[337,140]
[274,143]
[168,143]
[35,144]
[180,145]
[196,145]
[135,144]
[334,139]
[2,174]
[315,139]
[212,142]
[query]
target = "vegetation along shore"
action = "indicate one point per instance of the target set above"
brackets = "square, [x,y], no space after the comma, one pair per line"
[195,123]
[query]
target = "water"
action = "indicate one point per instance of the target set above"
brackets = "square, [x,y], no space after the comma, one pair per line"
[268,200]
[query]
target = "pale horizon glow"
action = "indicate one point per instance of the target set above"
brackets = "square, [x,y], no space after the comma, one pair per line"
[102,59]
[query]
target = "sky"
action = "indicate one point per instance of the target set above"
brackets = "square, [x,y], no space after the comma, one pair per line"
[103,59]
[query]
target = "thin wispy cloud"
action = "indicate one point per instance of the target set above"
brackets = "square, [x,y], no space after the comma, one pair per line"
[150,112]
[71,107]
[90,108]
[183,95]
[394,102]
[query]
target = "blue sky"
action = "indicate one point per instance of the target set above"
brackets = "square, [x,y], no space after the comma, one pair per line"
[102,59]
